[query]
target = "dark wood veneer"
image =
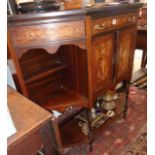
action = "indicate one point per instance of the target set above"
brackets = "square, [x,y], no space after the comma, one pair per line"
[33,127]
[70,58]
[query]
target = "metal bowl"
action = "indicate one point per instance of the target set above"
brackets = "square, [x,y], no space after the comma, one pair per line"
[108,105]
[40,6]
[109,96]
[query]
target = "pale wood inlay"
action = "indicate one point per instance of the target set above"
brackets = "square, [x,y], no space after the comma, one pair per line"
[125,50]
[102,58]
[39,34]
[124,54]
[103,53]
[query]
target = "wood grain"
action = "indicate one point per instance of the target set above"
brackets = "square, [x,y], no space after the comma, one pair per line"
[113,23]
[46,33]
[26,115]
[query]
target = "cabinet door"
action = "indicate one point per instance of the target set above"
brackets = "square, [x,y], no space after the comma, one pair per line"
[103,48]
[125,49]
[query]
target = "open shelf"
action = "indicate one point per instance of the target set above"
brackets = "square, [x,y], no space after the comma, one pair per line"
[72,135]
[64,98]
[42,72]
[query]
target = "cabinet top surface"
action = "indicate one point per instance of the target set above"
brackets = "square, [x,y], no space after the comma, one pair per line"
[26,115]
[105,9]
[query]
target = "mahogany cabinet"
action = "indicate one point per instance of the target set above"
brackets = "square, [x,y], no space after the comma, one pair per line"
[113,42]
[70,58]
[50,60]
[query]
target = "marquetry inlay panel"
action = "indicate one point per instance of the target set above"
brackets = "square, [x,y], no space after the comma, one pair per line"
[45,33]
[124,53]
[103,54]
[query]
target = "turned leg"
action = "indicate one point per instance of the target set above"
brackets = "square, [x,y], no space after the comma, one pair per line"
[90,133]
[126,98]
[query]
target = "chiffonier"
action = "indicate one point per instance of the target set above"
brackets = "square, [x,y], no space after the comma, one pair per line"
[70,58]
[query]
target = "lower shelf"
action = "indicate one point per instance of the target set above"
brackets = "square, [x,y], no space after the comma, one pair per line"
[64,98]
[72,135]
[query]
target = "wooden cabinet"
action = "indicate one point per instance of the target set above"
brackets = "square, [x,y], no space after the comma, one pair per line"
[50,61]
[113,41]
[70,58]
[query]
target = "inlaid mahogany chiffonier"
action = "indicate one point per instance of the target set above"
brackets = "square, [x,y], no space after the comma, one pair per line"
[71,58]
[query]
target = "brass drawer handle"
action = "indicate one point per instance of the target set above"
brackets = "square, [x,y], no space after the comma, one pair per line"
[99,27]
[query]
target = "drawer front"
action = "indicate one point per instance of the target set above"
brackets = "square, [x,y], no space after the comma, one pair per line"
[45,33]
[30,145]
[112,23]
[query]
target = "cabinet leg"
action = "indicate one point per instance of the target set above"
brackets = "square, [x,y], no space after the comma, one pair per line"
[90,134]
[126,98]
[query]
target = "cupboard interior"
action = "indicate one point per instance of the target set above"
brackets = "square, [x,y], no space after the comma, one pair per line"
[56,80]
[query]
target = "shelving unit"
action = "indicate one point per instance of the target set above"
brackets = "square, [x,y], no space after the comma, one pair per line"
[46,77]
[64,98]
[43,72]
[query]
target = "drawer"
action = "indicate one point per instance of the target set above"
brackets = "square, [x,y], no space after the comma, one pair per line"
[46,33]
[30,145]
[112,23]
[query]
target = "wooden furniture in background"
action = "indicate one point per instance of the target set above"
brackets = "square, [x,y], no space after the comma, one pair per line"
[73,4]
[71,58]
[139,77]
[141,42]
[34,127]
